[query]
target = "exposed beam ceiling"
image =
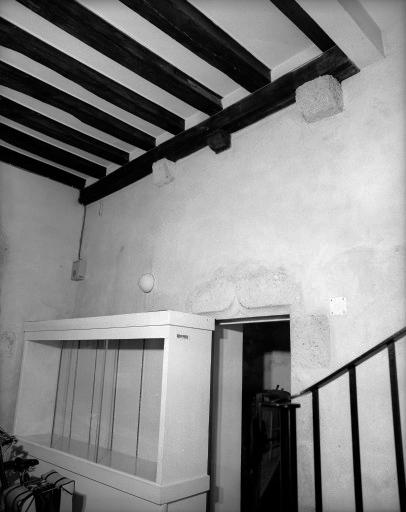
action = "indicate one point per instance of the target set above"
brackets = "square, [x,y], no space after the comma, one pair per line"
[93,84]
[267,100]
[28,84]
[187,25]
[105,38]
[36,121]
[49,151]
[41,168]
[21,41]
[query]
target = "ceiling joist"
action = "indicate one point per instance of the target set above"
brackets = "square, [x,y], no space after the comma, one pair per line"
[61,132]
[108,40]
[21,41]
[34,166]
[267,100]
[191,28]
[28,84]
[50,152]
[297,15]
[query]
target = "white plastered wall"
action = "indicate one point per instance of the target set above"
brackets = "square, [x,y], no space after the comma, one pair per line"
[40,223]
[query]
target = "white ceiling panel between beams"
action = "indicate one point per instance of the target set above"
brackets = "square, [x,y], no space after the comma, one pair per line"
[386,14]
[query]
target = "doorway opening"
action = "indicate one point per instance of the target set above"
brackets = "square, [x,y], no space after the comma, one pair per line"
[266,375]
[250,364]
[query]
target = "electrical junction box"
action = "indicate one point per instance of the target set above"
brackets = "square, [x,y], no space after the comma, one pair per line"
[78,270]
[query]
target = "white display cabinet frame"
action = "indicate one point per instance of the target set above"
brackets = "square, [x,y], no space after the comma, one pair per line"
[184,408]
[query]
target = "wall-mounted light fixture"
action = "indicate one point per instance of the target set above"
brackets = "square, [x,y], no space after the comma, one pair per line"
[146,282]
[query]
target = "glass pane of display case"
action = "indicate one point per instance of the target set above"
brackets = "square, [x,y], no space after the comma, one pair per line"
[108,402]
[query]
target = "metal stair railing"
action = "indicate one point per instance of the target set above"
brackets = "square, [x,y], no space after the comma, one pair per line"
[350,368]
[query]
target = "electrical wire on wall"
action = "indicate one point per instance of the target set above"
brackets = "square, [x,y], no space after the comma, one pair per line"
[79,266]
[81,232]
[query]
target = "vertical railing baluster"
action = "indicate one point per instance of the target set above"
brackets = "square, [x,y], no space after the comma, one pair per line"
[293,460]
[316,449]
[285,459]
[356,457]
[397,429]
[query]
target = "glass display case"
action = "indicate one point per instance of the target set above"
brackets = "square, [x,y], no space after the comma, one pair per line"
[123,400]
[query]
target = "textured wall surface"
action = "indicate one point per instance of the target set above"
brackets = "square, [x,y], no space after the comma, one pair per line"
[40,222]
[292,215]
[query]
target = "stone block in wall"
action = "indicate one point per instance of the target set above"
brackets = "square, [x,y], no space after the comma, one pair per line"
[320,98]
[213,296]
[162,172]
[260,286]
[311,338]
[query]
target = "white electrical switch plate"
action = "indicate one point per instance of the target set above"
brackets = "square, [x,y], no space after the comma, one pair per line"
[78,270]
[338,306]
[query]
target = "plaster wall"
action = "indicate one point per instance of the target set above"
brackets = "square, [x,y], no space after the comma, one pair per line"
[40,222]
[292,215]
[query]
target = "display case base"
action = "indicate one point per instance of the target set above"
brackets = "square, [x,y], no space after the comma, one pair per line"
[106,489]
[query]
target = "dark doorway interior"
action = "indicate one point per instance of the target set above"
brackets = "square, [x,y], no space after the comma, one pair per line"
[266,367]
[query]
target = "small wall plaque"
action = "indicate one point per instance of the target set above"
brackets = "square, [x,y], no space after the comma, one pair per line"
[338,306]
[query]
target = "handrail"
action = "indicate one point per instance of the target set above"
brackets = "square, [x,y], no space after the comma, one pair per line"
[355,362]
[350,368]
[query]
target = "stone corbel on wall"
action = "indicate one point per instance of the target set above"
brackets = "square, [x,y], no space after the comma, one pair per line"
[162,172]
[320,98]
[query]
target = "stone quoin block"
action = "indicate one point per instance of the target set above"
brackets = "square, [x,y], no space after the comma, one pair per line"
[162,172]
[320,98]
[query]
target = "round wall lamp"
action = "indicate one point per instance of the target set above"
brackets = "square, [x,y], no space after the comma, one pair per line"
[146,282]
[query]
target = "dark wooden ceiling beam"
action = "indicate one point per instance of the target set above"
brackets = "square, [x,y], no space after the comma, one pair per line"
[191,28]
[105,38]
[21,41]
[271,98]
[27,163]
[43,124]
[59,156]
[292,10]
[28,84]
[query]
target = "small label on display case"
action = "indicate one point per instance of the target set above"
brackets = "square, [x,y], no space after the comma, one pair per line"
[182,337]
